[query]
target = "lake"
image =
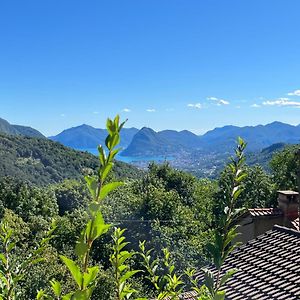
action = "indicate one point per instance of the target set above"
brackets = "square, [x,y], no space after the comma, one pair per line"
[131,159]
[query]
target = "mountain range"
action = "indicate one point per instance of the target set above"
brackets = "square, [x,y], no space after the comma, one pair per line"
[258,137]
[218,140]
[147,142]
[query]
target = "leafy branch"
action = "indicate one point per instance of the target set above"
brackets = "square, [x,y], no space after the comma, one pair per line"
[168,285]
[224,236]
[84,275]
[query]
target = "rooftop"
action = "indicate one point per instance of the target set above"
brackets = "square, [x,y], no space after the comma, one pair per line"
[268,267]
[288,192]
[296,224]
[257,212]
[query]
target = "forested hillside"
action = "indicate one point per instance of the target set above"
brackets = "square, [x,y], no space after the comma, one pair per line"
[41,161]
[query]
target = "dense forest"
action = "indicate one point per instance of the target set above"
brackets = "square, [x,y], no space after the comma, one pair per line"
[48,209]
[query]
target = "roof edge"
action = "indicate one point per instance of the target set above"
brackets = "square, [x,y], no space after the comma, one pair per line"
[286,230]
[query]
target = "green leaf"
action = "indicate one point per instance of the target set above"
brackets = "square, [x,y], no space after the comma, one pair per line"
[92,184]
[240,178]
[236,193]
[56,287]
[94,207]
[112,140]
[209,280]
[90,276]
[110,126]
[220,295]
[102,155]
[74,269]
[96,227]
[128,274]
[108,188]
[106,169]
[113,153]
[81,247]
[124,255]
[227,276]
[79,295]
[40,295]
[3,258]
[11,246]
[117,121]
[122,124]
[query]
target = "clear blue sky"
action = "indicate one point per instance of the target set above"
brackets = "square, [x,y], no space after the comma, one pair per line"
[189,64]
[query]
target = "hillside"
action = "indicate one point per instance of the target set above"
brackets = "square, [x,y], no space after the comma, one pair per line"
[264,156]
[7,128]
[28,131]
[85,136]
[41,161]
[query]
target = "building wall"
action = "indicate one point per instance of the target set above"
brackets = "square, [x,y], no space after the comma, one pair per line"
[251,227]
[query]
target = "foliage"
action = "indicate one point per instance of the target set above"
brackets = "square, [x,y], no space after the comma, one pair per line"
[13,270]
[121,270]
[258,189]
[71,195]
[161,273]
[225,233]
[284,168]
[170,216]
[26,200]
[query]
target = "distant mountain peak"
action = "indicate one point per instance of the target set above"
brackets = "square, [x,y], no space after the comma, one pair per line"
[85,136]
[147,129]
[277,123]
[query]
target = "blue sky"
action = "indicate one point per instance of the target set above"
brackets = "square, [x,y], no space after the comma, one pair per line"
[189,64]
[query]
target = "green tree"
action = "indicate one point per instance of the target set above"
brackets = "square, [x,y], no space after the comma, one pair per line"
[258,189]
[284,168]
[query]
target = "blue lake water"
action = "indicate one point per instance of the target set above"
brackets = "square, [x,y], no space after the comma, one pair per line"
[130,159]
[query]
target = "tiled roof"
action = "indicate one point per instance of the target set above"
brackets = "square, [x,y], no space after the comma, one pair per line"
[257,212]
[268,268]
[295,224]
